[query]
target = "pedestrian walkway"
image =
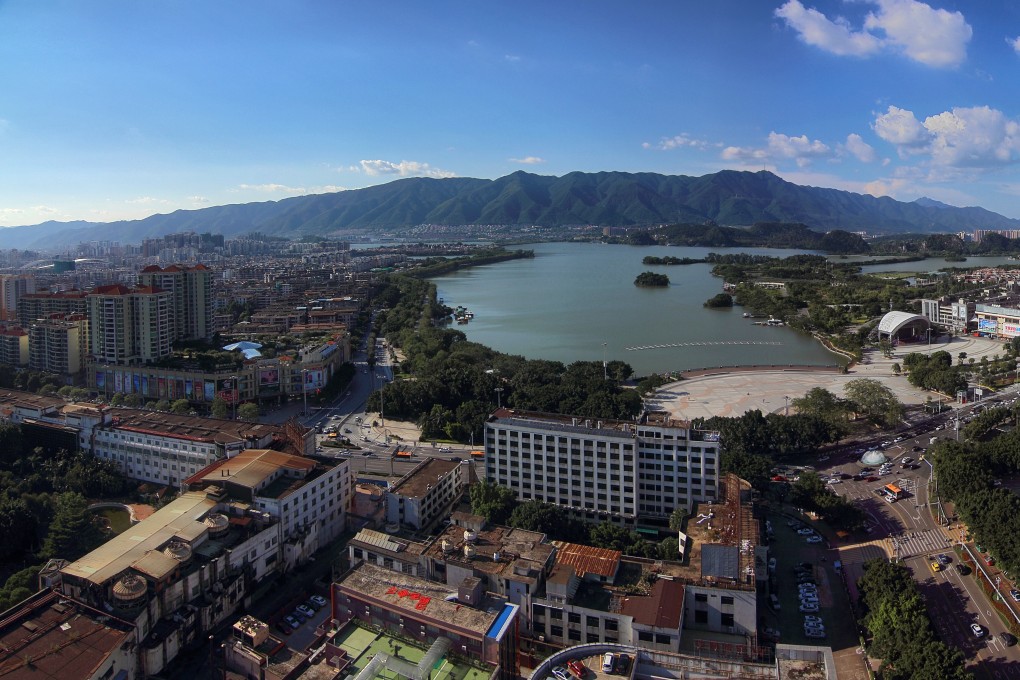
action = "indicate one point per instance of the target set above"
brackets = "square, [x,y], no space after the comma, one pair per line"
[920,543]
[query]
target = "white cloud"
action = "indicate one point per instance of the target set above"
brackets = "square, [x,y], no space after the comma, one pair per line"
[899,127]
[800,150]
[834,36]
[679,141]
[973,137]
[527,160]
[512,58]
[743,154]
[403,169]
[1014,43]
[327,189]
[965,137]
[198,200]
[147,200]
[272,188]
[859,149]
[934,37]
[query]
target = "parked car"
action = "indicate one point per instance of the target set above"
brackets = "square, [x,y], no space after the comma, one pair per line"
[608,662]
[306,610]
[283,627]
[813,633]
[814,539]
[977,630]
[813,619]
[622,663]
[1015,594]
[774,601]
[577,668]
[806,531]
[319,600]
[1008,639]
[292,622]
[808,608]
[312,604]
[560,672]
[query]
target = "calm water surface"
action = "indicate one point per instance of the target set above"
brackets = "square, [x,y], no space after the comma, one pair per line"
[573,297]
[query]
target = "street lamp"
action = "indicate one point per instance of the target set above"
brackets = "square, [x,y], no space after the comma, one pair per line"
[304,389]
[605,364]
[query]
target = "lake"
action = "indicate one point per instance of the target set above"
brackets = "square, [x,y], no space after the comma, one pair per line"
[572,298]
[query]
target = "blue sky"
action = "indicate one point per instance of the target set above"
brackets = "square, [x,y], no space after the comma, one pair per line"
[118,109]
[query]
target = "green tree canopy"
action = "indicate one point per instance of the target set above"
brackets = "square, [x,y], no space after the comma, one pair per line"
[248,412]
[875,401]
[492,501]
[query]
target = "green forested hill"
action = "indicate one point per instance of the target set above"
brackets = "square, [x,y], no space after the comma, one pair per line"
[730,198]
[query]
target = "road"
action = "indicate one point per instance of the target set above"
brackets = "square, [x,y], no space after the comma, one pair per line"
[908,529]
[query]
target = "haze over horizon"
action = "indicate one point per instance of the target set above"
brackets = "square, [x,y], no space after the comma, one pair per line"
[122,110]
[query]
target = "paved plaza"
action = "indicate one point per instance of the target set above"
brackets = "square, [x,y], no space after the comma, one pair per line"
[767,390]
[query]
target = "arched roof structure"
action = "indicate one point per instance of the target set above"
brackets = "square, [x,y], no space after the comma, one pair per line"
[892,322]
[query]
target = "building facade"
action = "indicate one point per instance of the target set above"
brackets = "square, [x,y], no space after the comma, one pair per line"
[129,327]
[602,469]
[424,496]
[954,315]
[59,345]
[191,296]
[14,346]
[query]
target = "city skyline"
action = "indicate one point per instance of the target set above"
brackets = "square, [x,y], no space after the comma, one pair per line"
[123,110]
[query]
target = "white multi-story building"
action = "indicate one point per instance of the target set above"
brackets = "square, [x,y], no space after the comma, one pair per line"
[425,495]
[166,449]
[952,314]
[308,498]
[129,326]
[603,469]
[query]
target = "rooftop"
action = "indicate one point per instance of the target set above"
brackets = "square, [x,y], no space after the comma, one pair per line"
[588,560]
[662,608]
[139,546]
[521,553]
[252,467]
[607,427]
[416,597]
[420,480]
[50,636]
[192,428]
[380,542]
[17,399]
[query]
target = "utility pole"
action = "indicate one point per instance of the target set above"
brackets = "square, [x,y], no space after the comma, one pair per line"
[605,363]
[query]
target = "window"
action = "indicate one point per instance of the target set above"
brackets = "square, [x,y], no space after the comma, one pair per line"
[574,635]
[574,617]
[700,597]
[700,616]
[645,636]
[661,639]
[727,599]
[727,620]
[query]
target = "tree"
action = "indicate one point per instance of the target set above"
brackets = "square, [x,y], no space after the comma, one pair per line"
[248,412]
[874,400]
[161,405]
[548,519]
[181,407]
[676,519]
[218,408]
[492,501]
[72,532]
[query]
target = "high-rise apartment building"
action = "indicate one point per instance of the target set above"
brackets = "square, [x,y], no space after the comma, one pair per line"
[13,346]
[603,469]
[59,345]
[130,326]
[34,306]
[12,288]
[191,294]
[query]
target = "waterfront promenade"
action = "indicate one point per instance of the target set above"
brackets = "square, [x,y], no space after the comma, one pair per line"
[736,390]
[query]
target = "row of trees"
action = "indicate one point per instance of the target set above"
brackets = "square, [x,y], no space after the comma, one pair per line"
[966,473]
[810,493]
[498,505]
[901,631]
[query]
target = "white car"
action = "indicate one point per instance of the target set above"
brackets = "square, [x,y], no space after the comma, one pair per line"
[808,608]
[814,633]
[814,539]
[813,619]
[977,630]
[808,589]
[806,531]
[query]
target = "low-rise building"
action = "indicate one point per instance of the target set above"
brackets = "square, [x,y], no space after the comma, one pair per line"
[473,625]
[51,636]
[953,315]
[309,498]
[178,573]
[386,551]
[425,495]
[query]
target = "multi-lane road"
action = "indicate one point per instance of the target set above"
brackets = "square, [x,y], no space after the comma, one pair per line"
[913,529]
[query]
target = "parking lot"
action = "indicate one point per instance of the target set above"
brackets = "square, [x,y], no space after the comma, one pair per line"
[799,562]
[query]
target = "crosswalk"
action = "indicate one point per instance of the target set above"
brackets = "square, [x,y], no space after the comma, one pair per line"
[909,544]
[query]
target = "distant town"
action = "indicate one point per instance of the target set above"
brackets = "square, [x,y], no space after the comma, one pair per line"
[217,460]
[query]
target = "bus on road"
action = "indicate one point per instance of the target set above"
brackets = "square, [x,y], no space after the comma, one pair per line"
[893,491]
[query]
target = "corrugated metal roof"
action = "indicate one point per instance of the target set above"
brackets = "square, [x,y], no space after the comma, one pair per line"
[588,560]
[380,540]
[662,608]
[179,518]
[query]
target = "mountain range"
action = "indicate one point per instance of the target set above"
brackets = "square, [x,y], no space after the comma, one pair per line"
[728,197]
